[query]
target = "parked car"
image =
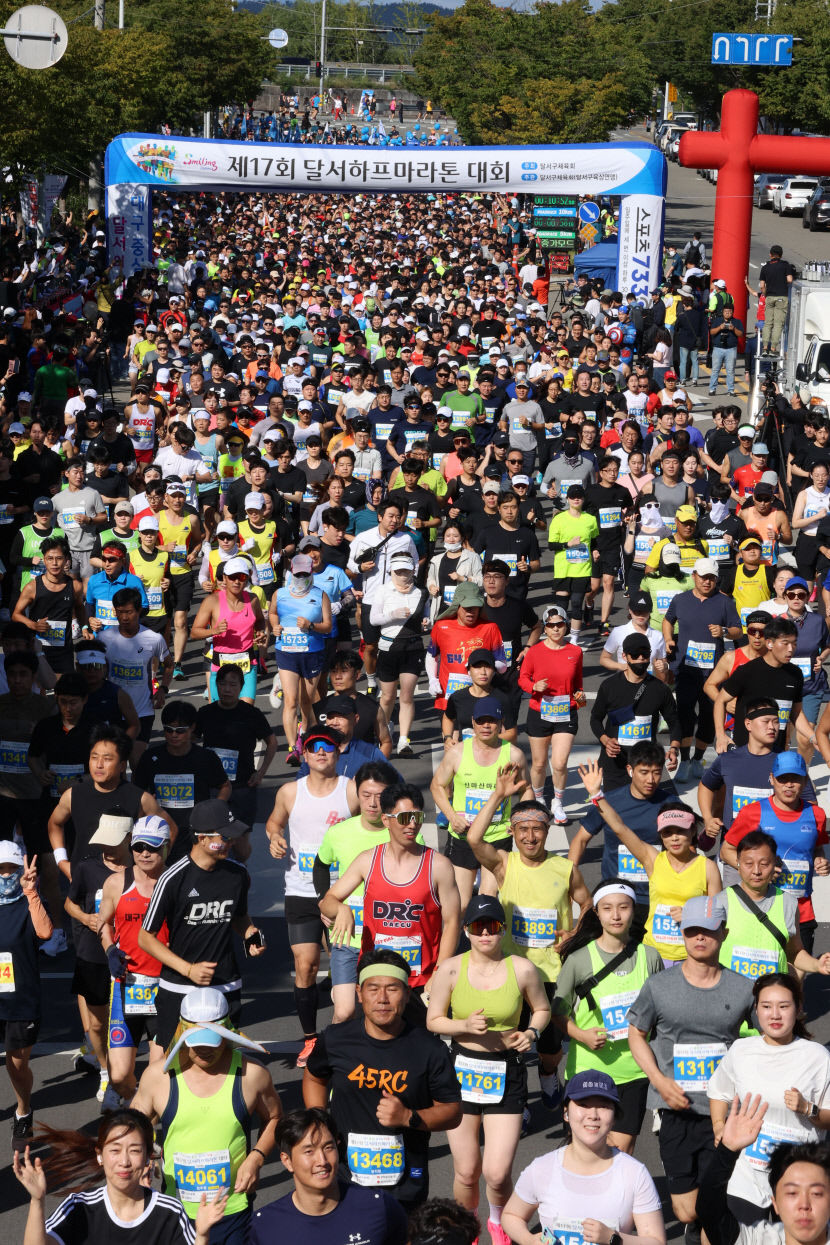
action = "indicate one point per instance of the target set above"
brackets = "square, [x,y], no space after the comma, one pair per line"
[765,186]
[816,214]
[792,195]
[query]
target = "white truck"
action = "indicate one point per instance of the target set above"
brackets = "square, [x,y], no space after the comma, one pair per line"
[807,361]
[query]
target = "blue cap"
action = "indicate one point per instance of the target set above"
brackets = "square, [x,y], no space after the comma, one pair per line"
[789,763]
[796,582]
[591,1084]
[487,707]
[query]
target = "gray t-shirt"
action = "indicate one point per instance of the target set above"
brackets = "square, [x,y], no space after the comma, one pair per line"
[693,1028]
[562,473]
[85,501]
[521,437]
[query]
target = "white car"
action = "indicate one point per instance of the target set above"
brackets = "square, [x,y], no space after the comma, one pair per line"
[793,194]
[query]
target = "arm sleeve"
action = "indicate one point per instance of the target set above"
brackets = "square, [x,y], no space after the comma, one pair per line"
[715,1217]
[669,712]
[598,712]
[321,877]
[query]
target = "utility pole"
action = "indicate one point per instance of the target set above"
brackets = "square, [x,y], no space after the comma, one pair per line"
[322,51]
[96,168]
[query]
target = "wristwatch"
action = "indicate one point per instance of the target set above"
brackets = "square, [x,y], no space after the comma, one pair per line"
[616,1239]
[812,1111]
[415,1121]
[534,1031]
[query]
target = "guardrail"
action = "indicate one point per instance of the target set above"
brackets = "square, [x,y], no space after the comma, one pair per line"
[374,73]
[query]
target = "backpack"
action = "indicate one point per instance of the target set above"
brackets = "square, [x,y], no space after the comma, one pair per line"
[693,255]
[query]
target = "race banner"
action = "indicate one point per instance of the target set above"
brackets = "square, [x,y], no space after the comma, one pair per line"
[129,226]
[140,161]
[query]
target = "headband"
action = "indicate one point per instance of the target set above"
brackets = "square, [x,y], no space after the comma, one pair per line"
[115,547]
[676,817]
[530,814]
[91,657]
[762,711]
[614,888]
[383,970]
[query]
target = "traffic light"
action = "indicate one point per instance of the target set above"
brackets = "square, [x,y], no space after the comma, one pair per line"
[318,68]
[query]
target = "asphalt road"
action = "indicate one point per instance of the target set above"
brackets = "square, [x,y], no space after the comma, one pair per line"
[66,1099]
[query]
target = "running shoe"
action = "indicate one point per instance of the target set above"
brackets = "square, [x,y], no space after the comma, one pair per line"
[294,759]
[560,817]
[552,1091]
[178,673]
[404,748]
[497,1233]
[103,1086]
[112,1100]
[525,1121]
[683,772]
[696,769]
[308,1047]
[605,629]
[22,1131]
[83,1059]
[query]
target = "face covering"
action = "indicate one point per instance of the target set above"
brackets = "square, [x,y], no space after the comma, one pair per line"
[650,516]
[570,449]
[452,546]
[10,888]
[638,667]
[719,511]
[300,584]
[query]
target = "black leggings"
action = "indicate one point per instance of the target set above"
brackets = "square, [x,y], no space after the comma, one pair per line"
[690,698]
[574,600]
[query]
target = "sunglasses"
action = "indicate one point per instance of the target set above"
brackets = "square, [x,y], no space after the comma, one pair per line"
[104,559]
[237,578]
[176,730]
[756,631]
[556,622]
[406,819]
[796,596]
[485,926]
[320,745]
[138,848]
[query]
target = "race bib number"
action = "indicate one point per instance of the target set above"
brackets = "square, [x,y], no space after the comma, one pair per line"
[508,650]
[265,572]
[610,516]
[407,945]
[383,431]
[105,611]
[140,995]
[805,666]
[694,1063]
[629,867]
[556,709]
[65,775]
[643,546]
[437,460]
[534,927]
[241,660]
[6,515]
[356,906]
[768,550]
[635,731]
[155,599]
[481,1080]
[741,796]
[564,485]
[772,1135]
[664,928]
[375,1160]
[125,672]
[474,800]
[411,437]
[753,961]
[294,640]
[208,1173]
[449,593]
[664,598]
[614,1008]
[795,877]
[230,761]
[143,431]
[563,1232]
[179,556]
[784,711]
[306,855]
[577,553]
[175,790]
[456,681]
[6,973]
[719,550]
[55,634]
[699,655]
[411,518]
[13,757]
[309,496]
[511,560]
[68,518]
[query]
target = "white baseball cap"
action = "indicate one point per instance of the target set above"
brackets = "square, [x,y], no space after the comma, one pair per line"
[10,853]
[148,524]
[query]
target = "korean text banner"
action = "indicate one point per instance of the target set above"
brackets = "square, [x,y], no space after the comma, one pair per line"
[205,164]
[128,226]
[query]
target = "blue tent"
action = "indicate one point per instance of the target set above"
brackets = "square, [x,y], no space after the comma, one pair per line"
[599,261]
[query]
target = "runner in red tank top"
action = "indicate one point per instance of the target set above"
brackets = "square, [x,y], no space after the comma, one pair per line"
[135,974]
[411,903]
[755,646]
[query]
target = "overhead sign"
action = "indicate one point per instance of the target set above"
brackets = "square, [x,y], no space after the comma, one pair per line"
[771,50]
[635,171]
[588,212]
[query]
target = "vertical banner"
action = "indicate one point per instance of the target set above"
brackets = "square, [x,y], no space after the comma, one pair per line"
[129,226]
[51,189]
[640,248]
[29,196]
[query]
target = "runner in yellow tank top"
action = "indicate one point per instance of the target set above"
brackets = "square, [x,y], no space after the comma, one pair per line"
[676,873]
[537,890]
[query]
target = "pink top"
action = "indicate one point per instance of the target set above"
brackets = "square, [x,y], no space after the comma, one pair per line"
[239,637]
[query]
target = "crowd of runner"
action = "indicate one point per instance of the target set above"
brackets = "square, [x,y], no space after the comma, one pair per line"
[327,456]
